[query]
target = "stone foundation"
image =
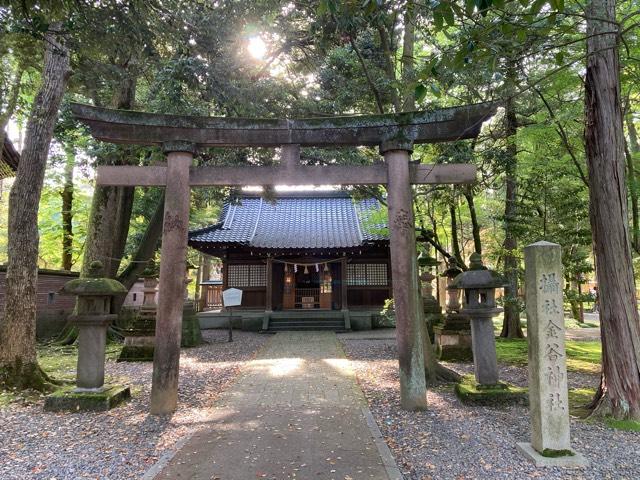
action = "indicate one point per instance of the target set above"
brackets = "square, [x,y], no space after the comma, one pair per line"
[452,338]
[471,393]
[68,399]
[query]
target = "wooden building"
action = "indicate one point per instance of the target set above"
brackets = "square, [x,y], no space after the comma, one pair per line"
[52,308]
[310,259]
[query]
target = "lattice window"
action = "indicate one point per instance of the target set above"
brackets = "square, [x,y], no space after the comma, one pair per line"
[377,274]
[247,276]
[367,274]
[257,275]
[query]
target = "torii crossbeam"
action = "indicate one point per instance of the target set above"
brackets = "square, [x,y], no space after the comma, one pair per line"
[180,136]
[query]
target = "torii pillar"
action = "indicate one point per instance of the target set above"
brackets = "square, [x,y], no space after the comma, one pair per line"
[175,230]
[404,271]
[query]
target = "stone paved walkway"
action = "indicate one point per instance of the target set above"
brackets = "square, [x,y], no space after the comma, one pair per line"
[296,412]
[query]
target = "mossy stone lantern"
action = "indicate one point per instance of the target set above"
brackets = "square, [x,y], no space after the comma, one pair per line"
[479,303]
[139,336]
[94,296]
[426,263]
[452,271]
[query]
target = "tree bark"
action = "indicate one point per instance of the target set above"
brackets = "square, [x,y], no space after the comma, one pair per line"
[511,327]
[455,242]
[408,44]
[12,103]
[144,253]
[631,150]
[475,226]
[619,391]
[67,210]
[111,206]
[125,197]
[18,362]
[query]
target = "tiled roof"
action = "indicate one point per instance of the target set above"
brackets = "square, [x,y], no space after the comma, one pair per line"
[321,220]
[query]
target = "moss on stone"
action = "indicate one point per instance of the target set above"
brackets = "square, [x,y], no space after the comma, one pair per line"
[93,286]
[469,392]
[136,353]
[191,333]
[551,453]
[454,353]
[66,399]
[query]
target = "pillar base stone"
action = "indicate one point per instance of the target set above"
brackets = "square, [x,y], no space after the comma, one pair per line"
[470,392]
[70,400]
[452,338]
[571,460]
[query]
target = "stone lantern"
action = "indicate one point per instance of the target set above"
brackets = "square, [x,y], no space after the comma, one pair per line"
[430,306]
[452,271]
[479,303]
[94,296]
[191,335]
[426,263]
[452,336]
[139,335]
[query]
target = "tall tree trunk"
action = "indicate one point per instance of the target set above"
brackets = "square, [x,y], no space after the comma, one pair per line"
[67,210]
[511,327]
[12,103]
[144,253]
[408,45]
[111,206]
[475,226]
[455,242]
[124,201]
[18,362]
[631,150]
[619,391]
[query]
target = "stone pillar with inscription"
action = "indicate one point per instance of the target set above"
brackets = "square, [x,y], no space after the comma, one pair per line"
[548,394]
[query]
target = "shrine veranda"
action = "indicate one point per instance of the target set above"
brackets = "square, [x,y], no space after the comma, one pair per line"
[181,136]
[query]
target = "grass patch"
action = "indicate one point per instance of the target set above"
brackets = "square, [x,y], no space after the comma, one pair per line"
[581,356]
[626,425]
[579,398]
[6,398]
[59,362]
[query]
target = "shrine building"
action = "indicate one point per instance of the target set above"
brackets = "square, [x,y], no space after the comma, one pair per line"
[304,260]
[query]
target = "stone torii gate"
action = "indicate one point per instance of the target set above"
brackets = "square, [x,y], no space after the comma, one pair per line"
[180,136]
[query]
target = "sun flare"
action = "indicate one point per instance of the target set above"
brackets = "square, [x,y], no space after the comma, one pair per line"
[257,48]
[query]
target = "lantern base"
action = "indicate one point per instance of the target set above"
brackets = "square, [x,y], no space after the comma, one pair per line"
[568,459]
[68,400]
[452,338]
[471,393]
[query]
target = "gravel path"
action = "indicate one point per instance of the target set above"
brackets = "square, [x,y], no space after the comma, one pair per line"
[124,442]
[452,441]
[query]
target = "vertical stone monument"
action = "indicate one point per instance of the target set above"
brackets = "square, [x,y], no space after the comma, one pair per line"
[548,394]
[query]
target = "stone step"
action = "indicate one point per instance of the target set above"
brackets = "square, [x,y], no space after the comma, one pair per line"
[306,324]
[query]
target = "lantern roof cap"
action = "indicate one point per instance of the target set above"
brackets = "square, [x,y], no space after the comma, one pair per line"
[453,268]
[478,276]
[426,260]
[94,285]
